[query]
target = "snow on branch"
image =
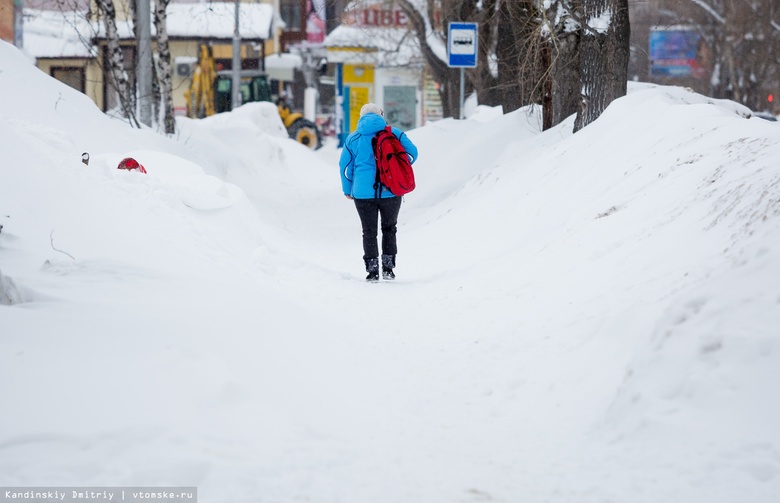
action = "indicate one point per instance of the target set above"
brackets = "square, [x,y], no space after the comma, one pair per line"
[710,10]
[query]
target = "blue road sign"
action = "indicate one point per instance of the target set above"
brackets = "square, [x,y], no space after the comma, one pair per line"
[462,45]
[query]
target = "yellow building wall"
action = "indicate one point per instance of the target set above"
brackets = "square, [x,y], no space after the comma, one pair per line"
[180,84]
[95,83]
[358,81]
[358,74]
[93,79]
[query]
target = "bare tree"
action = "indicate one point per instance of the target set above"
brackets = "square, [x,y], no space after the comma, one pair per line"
[116,62]
[518,53]
[164,65]
[742,39]
[604,55]
[508,70]
[114,73]
[162,85]
[562,31]
[571,56]
[448,78]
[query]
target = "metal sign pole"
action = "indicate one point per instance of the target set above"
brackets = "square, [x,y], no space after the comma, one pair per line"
[462,87]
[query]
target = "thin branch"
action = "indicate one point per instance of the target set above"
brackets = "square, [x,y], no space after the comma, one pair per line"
[51,240]
[710,10]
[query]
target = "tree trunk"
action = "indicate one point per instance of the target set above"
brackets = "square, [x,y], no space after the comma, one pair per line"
[518,55]
[547,88]
[565,77]
[485,83]
[116,62]
[561,42]
[164,65]
[156,94]
[604,57]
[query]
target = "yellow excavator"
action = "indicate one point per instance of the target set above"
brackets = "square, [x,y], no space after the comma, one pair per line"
[200,95]
[211,92]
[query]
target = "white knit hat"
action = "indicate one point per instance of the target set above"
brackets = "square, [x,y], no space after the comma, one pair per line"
[371,108]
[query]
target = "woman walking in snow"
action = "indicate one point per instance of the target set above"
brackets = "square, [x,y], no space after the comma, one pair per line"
[359,183]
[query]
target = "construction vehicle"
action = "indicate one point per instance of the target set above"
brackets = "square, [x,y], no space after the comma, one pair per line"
[254,87]
[200,95]
[211,92]
[300,129]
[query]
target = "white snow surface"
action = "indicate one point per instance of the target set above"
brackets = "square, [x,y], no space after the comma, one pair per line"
[577,318]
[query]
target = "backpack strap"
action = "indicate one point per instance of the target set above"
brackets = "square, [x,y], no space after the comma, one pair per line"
[377,183]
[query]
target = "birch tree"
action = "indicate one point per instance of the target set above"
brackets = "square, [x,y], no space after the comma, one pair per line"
[162,84]
[164,65]
[116,64]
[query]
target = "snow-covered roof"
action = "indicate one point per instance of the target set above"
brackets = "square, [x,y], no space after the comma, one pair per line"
[56,34]
[217,20]
[387,46]
[283,61]
[281,66]
[209,20]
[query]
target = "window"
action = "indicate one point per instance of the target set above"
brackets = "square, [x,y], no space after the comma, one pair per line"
[72,76]
[292,14]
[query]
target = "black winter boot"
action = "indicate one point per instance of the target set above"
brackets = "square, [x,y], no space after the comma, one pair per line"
[388,264]
[372,268]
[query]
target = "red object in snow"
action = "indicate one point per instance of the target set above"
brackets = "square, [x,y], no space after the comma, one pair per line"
[131,164]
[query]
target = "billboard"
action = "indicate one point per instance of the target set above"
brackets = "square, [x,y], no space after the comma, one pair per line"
[676,52]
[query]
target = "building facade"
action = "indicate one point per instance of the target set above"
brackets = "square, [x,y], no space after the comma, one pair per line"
[71,47]
[11,21]
[378,60]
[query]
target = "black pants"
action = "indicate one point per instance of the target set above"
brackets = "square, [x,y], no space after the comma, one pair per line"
[387,209]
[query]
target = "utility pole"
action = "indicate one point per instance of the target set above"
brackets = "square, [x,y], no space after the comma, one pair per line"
[235,101]
[144,70]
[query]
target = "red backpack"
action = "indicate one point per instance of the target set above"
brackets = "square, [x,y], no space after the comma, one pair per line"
[393,168]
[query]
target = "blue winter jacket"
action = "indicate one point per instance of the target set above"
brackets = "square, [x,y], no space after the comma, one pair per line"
[358,167]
